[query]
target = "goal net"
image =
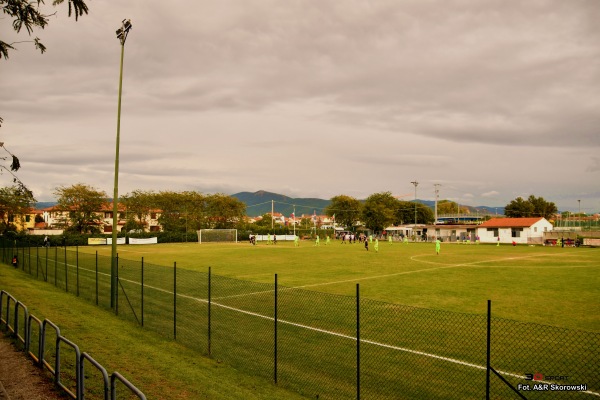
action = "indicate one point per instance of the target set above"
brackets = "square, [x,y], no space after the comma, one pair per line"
[217,235]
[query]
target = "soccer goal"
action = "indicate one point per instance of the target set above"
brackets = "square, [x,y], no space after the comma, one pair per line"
[217,235]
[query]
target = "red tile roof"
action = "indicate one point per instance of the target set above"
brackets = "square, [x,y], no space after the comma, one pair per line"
[510,222]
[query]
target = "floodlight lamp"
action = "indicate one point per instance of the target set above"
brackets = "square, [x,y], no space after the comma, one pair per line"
[124,30]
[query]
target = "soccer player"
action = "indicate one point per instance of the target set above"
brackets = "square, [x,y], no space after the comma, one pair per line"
[437,246]
[376,246]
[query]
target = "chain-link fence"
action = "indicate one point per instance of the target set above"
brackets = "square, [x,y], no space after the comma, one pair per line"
[330,346]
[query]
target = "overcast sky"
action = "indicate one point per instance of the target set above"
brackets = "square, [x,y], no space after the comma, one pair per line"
[492,99]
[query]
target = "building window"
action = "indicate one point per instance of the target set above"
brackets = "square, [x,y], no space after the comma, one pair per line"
[516,232]
[494,231]
[27,218]
[535,228]
[107,228]
[153,215]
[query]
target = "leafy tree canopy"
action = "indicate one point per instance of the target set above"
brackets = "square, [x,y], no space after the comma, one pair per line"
[28,14]
[379,211]
[346,209]
[15,203]
[81,203]
[532,207]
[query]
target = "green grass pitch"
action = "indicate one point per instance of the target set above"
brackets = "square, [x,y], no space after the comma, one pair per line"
[546,285]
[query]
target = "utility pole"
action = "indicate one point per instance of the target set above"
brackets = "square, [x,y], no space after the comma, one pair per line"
[416,184]
[272,215]
[437,195]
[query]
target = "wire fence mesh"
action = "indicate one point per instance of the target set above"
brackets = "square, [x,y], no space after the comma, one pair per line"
[330,346]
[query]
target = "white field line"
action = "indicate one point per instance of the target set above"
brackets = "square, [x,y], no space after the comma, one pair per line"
[341,335]
[366,341]
[414,258]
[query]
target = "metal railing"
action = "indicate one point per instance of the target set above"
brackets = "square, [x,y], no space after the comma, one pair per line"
[73,385]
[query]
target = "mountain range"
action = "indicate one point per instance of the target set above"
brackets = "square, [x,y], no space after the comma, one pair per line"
[261,202]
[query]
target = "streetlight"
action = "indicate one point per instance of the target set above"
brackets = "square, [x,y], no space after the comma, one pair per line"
[579,216]
[122,33]
[416,184]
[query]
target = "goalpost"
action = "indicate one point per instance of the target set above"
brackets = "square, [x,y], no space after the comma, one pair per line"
[217,235]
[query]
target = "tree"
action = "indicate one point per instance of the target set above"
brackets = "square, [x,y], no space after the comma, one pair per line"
[405,214]
[379,211]
[181,211]
[15,204]
[425,214]
[532,207]
[80,205]
[542,208]
[346,210]
[451,207]
[138,205]
[518,208]
[224,212]
[265,221]
[27,14]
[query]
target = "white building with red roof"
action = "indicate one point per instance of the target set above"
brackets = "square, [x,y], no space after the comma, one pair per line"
[518,230]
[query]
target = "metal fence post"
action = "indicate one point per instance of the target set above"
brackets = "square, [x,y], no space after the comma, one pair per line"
[275,333]
[142,287]
[357,342]
[55,265]
[96,277]
[77,266]
[487,369]
[117,285]
[66,271]
[209,326]
[46,278]
[174,300]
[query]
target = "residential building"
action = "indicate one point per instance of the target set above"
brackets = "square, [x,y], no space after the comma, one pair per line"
[517,230]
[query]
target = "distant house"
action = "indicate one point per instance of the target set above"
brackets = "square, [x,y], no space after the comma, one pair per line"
[55,218]
[518,230]
[22,222]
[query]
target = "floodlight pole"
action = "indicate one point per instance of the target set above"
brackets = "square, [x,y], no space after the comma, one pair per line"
[437,194]
[122,33]
[579,216]
[416,184]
